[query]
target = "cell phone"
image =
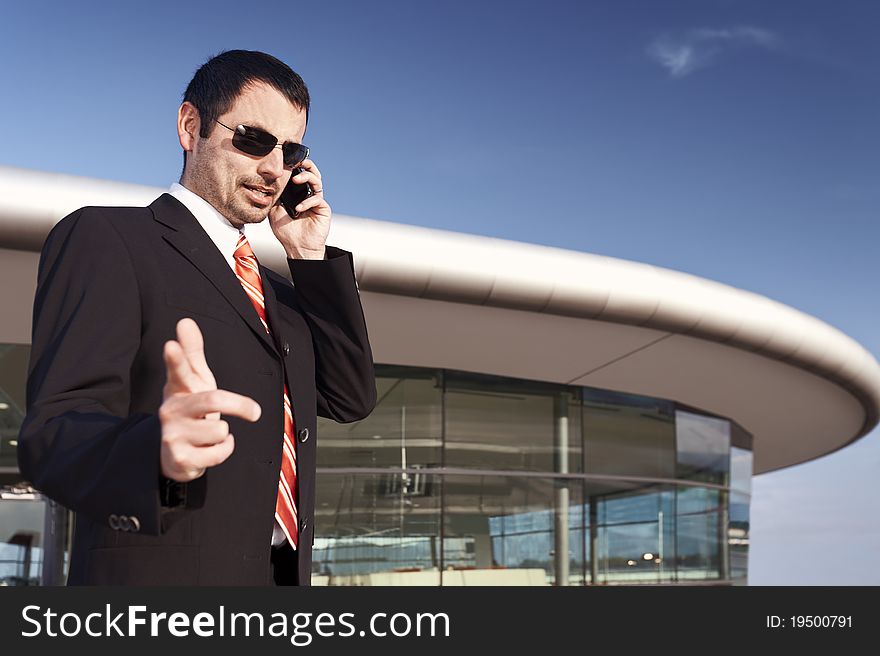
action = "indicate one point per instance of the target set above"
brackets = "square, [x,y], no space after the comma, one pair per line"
[294,193]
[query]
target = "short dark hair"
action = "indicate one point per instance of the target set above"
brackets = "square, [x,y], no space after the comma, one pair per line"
[220,81]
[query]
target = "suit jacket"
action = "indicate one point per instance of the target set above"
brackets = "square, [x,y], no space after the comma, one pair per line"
[112,284]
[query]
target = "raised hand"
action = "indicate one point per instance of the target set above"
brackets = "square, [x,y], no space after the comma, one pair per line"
[305,236]
[194,437]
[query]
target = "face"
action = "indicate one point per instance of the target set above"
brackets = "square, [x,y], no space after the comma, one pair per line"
[242,187]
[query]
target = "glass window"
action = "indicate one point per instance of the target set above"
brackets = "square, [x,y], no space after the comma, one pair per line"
[380,529]
[22,521]
[698,537]
[741,462]
[738,536]
[407,526]
[634,532]
[504,530]
[628,435]
[507,424]
[404,430]
[703,445]
[13,377]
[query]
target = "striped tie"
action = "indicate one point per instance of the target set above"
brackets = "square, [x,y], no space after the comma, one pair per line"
[248,273]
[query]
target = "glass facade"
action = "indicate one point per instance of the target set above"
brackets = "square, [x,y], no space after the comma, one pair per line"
[469,479]
[22,525]
[34,531]
[13,376]
[738,504]
[702,448]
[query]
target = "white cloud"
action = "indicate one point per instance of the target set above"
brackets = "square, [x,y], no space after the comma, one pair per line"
[699,48]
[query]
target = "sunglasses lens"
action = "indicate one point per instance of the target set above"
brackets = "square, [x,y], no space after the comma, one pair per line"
[253,141]
[294,154]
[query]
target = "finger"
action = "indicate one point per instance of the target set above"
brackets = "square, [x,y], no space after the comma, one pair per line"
[309,165]
[195,432]
[310,202]
[313,180]
[196,472]
[177,464]
[199,404]
[191,463]
[190,338]
[179,376]
[211,456]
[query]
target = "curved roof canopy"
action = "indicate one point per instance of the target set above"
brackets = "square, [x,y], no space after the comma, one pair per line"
[436,298]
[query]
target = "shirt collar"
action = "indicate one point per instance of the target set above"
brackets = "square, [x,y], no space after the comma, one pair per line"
[219,229]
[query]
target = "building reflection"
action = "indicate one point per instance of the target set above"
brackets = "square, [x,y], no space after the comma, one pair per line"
[465,479]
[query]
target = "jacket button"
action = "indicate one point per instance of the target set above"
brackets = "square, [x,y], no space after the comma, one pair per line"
[113,520]
[135,524]
[124,523]
[286,348]
[303,525]
[303,434]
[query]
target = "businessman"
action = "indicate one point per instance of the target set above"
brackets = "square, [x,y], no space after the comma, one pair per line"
[174,381]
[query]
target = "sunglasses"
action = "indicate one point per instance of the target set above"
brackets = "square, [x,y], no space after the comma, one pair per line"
[255,141]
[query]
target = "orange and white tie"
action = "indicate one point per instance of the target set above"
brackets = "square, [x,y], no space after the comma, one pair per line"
[248,272]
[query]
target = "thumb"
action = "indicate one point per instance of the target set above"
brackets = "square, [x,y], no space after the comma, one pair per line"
[179,376]
[193,345]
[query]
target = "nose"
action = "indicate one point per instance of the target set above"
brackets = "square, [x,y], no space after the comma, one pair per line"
[272,165]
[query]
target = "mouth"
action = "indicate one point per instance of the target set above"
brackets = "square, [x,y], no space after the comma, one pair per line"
[263,196]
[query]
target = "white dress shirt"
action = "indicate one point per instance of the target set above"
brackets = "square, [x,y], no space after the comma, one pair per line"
[225,238]
[219,229]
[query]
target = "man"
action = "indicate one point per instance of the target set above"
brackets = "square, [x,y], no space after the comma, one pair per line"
[150,323]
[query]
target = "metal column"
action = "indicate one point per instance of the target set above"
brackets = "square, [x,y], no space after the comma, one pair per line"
[560,447]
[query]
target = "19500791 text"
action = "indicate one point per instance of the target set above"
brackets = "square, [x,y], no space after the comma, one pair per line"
[809,622]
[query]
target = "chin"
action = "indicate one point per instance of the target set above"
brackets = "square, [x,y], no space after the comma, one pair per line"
[258,218]
[253,219]
[244,215]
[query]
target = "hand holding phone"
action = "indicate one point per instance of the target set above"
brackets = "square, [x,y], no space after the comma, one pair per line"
[303,234]
[294,193]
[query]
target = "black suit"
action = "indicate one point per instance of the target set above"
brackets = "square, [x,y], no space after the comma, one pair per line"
[113,282]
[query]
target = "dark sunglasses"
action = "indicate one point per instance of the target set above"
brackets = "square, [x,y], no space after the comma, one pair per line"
[255,141]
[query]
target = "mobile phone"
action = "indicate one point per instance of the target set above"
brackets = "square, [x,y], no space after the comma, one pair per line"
[294,193]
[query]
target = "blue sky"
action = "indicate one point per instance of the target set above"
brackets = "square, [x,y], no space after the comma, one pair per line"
[735,140]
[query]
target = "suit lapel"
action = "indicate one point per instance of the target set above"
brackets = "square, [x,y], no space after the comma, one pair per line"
[193,243]
[272,315]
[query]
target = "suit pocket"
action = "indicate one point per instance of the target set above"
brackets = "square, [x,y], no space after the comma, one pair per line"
[195,305]
[147,566]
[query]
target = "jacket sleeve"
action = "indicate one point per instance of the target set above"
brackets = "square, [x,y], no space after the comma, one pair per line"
[345,381]
[79,444]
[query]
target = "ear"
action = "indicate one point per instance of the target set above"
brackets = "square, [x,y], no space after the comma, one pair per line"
[188,125]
